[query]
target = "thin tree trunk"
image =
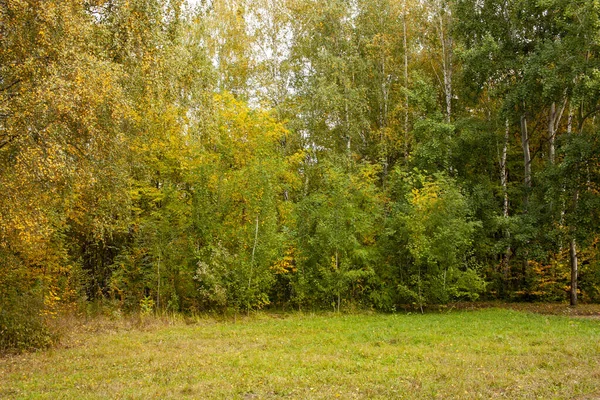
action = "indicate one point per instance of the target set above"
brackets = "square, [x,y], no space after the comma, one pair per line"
[551,133]
[420,296]
[526,179]
[384,116]
[255,240]
[158,284]
[503,172]
[553,123]
[446,42]
[526,152]
[252,260]
[573,253]
[564,205]
[384,90]
[504,183]
[405,43]
[347,117]
[573,244]
[570,121]
[337,269]
[305,178]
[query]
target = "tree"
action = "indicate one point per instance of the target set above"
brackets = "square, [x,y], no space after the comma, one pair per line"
[61,103]
[336,233]
[433,225]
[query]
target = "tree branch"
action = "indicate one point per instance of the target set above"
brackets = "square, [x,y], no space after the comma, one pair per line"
[11,85]
[586,116]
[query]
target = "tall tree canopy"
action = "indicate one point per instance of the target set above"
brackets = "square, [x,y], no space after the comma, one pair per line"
[234,155]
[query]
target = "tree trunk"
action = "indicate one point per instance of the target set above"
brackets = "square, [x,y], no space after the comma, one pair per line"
[446,41]
[252,260]
[526,179]
[551,133]
[526,152]
[337,269]
[158,285]
[573,252]
[573,244]
[347,118]
[383,113]
[553,123]
[503,172]
[405,43]
[504,183]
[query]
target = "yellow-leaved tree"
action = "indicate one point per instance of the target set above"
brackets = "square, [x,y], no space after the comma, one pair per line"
[60,103]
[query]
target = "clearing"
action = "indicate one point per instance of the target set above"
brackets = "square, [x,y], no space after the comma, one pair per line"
[488,353]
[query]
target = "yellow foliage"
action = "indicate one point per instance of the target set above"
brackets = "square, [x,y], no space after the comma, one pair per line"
[426,197]
[287,264]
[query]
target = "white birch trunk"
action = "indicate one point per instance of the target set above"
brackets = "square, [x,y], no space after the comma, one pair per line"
[526,152]
[446,41]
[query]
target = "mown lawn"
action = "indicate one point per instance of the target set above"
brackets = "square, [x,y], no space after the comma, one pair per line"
[483,354]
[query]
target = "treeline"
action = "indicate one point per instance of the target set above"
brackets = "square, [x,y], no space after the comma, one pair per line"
[235,155]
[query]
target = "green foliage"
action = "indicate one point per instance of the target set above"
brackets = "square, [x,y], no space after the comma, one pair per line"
[146,306]
[22,326]
[434,225]
[246,154]
[22,311]
[336,236]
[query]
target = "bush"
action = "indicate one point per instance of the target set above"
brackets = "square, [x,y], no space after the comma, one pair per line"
[22,325]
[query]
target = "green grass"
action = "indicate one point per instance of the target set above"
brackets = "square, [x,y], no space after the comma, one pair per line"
[484,354]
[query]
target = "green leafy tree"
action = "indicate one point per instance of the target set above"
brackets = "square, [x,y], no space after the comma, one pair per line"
[434,226]
[336,236]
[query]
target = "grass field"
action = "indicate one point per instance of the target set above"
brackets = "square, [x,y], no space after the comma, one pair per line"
[490,353]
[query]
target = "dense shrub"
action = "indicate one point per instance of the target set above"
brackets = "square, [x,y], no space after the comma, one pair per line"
[22,325]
